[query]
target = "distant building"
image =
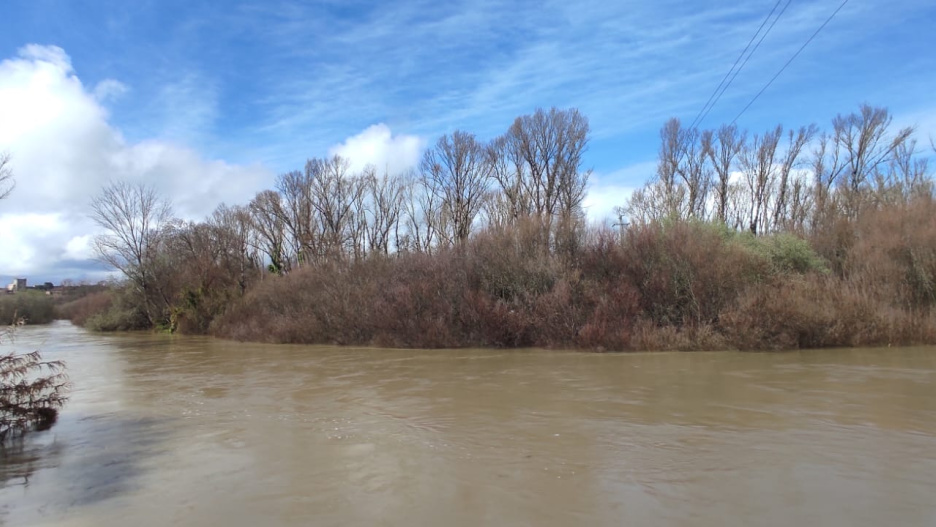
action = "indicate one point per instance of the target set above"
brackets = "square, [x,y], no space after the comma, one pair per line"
[18,284]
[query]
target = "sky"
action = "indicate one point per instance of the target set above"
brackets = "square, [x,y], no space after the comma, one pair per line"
[208,101]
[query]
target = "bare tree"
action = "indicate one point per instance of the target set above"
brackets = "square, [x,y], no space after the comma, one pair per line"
[361,214]
[294,188]
[694,171]
[456,171]
[788,204]
[828,167]
[6,176]
[722,151]
[668,188]
[135,218]
[907,173]
[543,165]
[863,138]
[497,209]
[232,231]
[680,187]
[759,176]
[267,218]
[333,193]
[422,217]
[385,195]
[507,169]
[653,202]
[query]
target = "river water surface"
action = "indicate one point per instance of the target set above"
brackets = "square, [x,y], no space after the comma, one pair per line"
[168,430]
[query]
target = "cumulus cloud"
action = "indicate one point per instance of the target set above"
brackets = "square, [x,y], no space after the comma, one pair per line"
[377,146]
[613,189]
[601,200]
[64,150]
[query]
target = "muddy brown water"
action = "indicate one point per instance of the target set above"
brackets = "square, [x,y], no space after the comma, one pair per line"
[167,430]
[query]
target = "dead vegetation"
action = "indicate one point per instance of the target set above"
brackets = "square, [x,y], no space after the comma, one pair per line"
[784,239]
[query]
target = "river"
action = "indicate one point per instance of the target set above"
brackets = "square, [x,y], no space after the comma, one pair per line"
[170,430]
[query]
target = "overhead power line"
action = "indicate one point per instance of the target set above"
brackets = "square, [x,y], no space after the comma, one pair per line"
[713,98]
[800,50]
[733,77]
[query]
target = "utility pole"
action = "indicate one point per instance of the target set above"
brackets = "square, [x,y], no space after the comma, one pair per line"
[621,225]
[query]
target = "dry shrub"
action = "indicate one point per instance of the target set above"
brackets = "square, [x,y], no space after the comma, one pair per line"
[664,286]
[613,311]
[686,273]
[80,310]
[781,315]
[894,254]
[650,337]
[807,312]
[324,304]
[411,300]
[511,264]
[491,321]
[420,302]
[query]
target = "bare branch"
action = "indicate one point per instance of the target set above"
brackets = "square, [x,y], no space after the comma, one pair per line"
[6,176]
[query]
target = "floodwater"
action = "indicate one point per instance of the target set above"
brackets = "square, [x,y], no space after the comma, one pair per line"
[168,430]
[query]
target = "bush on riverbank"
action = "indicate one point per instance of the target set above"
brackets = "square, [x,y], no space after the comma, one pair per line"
[110,310]
[31,307]
[78,311]
[664,285]
[502,290]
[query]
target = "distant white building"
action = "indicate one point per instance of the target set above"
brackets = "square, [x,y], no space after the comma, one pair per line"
[18,284]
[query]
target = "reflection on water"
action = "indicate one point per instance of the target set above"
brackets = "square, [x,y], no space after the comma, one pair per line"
[192,431]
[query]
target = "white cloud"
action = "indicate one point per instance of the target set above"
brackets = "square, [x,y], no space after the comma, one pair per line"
[79,248]
[607,191]
[377,146]
[52,55]
[64,150]
[109,89]
[601,200]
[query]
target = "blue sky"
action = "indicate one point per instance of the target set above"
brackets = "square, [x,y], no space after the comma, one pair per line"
[209,100]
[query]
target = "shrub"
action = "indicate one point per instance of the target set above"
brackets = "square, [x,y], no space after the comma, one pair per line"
[122,313]
[687,272]
[786,253]
[31,392]
[80,310]
[32,307]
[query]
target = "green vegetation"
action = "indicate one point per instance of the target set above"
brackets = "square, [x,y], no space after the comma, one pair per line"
[31,307]
[737,242]
[112,309]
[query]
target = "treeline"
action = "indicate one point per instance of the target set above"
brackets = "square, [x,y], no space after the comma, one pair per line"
[797,180]
[774,240]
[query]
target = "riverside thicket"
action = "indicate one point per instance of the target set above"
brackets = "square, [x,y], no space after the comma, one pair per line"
[783,239]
